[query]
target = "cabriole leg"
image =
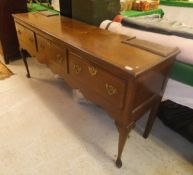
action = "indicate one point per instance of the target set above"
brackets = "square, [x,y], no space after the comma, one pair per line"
[24,57]
[123,133]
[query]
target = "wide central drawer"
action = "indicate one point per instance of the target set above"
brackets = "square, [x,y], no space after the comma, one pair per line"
[108,86]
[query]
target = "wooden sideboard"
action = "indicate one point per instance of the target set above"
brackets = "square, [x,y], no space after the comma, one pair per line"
[124,80]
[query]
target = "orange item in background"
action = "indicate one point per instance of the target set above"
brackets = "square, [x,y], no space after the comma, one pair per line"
[145,5]
[118,18]
[136,5]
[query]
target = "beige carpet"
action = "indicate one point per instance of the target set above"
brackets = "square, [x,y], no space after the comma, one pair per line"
[4,71]
[43,131]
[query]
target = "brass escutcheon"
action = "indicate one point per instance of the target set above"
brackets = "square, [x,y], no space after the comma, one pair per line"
[19,32]
[60,59]
[92,70]
[31,40]
[42,46]
[110,89]
[49,44]
[77,69]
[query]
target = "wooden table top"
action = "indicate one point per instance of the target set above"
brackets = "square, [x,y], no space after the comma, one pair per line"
[97,42]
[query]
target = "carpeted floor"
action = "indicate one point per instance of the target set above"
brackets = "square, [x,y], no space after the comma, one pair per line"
[43,131]
[4,71]
[180,14]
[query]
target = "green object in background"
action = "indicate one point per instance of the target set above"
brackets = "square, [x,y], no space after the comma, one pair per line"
[134,13]
[37,7]
[95,11]
[176,3]
[89,11]
[182,72]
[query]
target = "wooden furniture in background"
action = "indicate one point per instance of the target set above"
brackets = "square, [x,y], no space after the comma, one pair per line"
[124,80]
[8,37]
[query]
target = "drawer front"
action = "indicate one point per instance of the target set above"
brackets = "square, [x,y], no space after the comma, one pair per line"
[105,84]
[26,39]
[51,54]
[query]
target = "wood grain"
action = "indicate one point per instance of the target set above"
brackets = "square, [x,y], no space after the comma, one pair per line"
[124,80]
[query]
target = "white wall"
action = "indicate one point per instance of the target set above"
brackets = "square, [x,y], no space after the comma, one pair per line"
[182,14]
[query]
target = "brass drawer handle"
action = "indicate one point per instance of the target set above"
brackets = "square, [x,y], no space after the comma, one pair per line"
[42,46]
[60,58]
[92,70]
[31,40]
[77,69]
[48,44]
[19,32]
[110,89]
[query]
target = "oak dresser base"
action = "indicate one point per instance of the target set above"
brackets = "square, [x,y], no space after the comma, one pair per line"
[124,80]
